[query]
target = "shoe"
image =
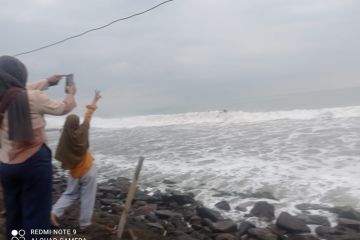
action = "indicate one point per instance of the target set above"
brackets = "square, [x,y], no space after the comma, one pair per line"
[83,228]
[54,220]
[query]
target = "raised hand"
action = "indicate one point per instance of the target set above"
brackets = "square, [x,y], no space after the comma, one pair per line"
[54,79]
[97,96]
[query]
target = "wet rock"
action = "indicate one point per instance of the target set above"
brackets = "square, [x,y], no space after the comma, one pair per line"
[156,225]
[199,236]
[299,237]
[188,212]
[337,233]
[166,214]
[349,223]
[116,208]
[196,222]
[277,230]
[241,208]
[346,212]
[323,231]
[244,227]
[314,219]
[262,234]
[178,197]
[264,194]
[109,201]
[142,196]
[185,237]
[223,205]
[310,206]
[291,223]
[166,181]
[263,210]
[225,236]
[105,190]
[120,183]
[224,226]
[209,213]
[145,210]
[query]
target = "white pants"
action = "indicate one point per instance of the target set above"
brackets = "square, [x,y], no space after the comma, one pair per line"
[83,189]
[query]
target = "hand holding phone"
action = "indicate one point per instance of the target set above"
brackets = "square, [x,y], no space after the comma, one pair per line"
[69,81]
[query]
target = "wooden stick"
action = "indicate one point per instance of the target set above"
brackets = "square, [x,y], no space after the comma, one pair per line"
[133,237]
[129,198]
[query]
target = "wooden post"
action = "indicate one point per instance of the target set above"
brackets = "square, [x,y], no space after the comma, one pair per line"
[129,198]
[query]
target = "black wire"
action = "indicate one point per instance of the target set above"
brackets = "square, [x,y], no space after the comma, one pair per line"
[91,30]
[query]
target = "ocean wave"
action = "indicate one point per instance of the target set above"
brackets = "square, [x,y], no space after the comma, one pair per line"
[215,117]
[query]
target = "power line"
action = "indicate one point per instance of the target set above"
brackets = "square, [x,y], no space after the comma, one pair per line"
[91,30]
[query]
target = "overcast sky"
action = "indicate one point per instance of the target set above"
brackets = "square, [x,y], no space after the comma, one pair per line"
[187,55]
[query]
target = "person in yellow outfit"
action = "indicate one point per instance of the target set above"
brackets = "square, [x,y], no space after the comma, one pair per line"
[73,153]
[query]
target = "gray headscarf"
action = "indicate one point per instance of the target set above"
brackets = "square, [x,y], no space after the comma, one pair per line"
[14,99]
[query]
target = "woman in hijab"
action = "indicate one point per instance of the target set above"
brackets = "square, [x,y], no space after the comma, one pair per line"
[74,155]
[25,159]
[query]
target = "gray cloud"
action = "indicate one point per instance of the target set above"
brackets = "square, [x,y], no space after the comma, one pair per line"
[188,55]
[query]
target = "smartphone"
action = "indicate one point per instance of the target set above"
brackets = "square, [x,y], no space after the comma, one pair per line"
[69,80]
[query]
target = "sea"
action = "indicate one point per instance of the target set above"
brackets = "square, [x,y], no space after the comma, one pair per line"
[284,157]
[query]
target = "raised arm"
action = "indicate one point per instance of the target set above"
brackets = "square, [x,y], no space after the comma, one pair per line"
[91,109]
[50,106]
[44,83]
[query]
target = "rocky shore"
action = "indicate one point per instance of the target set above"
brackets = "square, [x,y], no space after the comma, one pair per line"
[173,215]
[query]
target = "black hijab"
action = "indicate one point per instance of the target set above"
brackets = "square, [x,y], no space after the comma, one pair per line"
[14,99]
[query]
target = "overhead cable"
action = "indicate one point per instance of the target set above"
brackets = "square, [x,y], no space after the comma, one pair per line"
[91,30]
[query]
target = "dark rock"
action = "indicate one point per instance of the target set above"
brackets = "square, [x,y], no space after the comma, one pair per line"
[263,210]
[323,231]
[349,223]
[196,222]
[225,236]
[188,212]
[145,210]
[151,217]
[346,212]
[241,208]
[265,194]
[277,230]
[223,205]
[174,205]
[262,234]
[244,227]
[116,208]
[199,236]
[291,223]
[139,203]
[185,237]
[310,206]
[178,197]
[104,190]
[298,237]
[142,196]
[224,226]
[314,219]
[109,201]
[156,225]
[120,183]
[208,213]
[166,214]
[337,233]
[166,181]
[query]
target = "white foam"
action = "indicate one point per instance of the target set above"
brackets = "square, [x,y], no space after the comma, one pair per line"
[214,117]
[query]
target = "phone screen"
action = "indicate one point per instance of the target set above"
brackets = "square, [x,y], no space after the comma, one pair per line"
[69,80]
